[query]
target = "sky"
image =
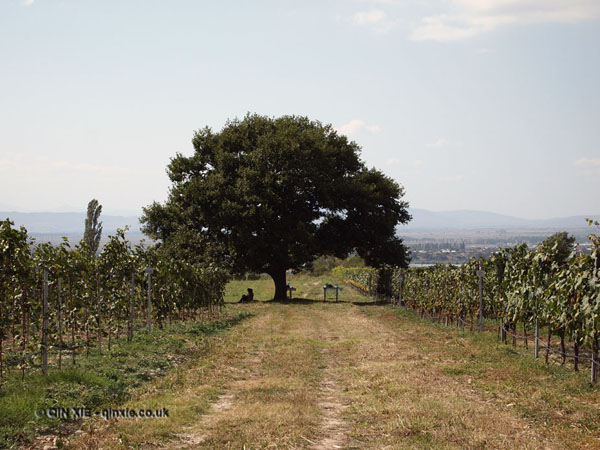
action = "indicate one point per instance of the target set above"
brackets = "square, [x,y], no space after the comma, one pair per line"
[489,105]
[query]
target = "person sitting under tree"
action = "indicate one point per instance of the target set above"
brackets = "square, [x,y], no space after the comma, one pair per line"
[246,298]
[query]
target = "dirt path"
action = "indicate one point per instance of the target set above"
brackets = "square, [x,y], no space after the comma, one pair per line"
[331,403]
[328,376]
[290,368]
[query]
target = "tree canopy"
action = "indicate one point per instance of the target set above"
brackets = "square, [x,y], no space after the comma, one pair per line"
[93,227]
[562,243]
[270,194]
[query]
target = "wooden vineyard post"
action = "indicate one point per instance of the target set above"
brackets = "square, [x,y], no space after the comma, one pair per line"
[480,274]
[149,271]
[45,324]
[60,331]
[1,339]
[446,293]
[401,281]
[594,370]
[98,312]
[537,335]
[131,292]
[548,344]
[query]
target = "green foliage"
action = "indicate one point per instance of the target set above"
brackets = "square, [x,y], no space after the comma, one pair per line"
[93,228]
[559,287]
[99,382]
[91,299]
[267,195]
[353,261]
[561,244]
[323,264]
[365,279]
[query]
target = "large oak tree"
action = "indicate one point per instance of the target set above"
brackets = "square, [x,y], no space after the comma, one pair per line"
[270,194]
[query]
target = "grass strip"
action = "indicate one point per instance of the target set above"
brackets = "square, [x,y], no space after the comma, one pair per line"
[100,380]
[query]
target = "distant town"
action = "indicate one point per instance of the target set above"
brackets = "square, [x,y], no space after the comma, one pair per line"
[432,237]
[456,247]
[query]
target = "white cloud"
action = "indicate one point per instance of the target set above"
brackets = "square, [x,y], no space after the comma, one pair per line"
[351,127]
[375,19]
[446,28]
[418,163]
[11,161]
[370,17]
[588,162]
[588,165]
[356,126]
[27,2]
[439,143]
[468,18]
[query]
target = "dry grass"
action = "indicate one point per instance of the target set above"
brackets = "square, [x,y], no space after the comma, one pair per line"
[344,376]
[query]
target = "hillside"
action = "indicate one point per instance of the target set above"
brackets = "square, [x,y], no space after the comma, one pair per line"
[476,220]
[71,223]
[66,223]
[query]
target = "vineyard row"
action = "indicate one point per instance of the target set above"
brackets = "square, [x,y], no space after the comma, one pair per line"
[66,298]
[538,288]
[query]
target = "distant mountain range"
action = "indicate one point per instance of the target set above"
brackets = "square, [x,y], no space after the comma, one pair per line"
[67,223]
[72,223]
[476,220]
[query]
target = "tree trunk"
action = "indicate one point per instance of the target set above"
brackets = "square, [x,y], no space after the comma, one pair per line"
[576,357]
[278,275]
